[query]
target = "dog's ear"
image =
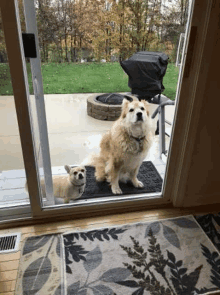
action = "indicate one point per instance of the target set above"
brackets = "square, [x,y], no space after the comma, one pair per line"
[135,98]
[131,98]
[68,168]
[146,104]
[125,104]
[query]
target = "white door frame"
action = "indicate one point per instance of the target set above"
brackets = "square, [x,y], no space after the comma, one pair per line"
[31,27]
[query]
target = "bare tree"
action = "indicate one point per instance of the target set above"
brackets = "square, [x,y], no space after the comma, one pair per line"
[47,27]
[173,23]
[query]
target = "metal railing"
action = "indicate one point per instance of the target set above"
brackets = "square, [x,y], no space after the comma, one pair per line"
[160,110]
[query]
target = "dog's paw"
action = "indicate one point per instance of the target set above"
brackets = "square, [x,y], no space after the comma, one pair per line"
[116,190]
[138,183]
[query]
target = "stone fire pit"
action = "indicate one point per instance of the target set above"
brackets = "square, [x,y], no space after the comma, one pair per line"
[105,106]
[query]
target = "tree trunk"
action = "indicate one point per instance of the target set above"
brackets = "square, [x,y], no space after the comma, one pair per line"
[66,49]
[71,47]
[121,33]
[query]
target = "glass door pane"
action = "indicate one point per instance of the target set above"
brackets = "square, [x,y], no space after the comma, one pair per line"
[73,135]
[30,115]
[12,172]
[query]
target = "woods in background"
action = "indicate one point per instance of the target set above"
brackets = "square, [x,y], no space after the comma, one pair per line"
[92,30]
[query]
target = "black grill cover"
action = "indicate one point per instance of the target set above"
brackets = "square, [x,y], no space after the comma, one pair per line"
[146,71]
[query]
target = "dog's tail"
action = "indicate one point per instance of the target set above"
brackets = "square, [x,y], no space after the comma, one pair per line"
[91,160]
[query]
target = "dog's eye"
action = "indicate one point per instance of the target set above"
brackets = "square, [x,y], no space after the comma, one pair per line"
[131,110]
[142,108]
[82,170]
[75,173]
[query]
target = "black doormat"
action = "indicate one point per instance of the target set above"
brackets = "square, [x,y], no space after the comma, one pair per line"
[148,175]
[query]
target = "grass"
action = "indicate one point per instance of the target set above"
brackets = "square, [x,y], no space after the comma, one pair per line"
[70,78]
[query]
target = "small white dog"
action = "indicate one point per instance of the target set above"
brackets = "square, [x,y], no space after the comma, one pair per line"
[70,186]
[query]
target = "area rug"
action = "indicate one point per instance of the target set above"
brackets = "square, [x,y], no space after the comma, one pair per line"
[169,256]
[148,174]
[41,268]
[210,223]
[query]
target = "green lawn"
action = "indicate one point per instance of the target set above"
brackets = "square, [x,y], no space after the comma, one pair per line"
[85,78]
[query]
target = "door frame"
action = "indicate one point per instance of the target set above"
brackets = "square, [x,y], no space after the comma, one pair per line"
[31,27]
[15,51]
[180,140]
[191,93]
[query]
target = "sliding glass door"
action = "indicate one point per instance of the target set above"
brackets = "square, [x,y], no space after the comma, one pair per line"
[30,111]
[31,115]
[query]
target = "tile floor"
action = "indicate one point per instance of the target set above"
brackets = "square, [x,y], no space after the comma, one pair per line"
[73,135]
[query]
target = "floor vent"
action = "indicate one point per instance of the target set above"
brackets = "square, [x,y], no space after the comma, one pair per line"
[9,242]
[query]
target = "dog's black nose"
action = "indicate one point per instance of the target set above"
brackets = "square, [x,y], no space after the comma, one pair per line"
[139,116]
[80,176]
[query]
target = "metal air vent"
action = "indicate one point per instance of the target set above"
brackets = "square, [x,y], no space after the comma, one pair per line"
[9,242]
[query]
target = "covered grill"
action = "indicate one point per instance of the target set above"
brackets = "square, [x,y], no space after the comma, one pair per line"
[146,71]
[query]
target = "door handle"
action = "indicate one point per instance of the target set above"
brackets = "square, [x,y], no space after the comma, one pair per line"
[29,45]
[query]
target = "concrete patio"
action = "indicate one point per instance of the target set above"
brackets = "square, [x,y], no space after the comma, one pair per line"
[73,135]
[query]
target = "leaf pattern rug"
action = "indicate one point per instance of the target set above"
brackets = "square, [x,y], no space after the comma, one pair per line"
[169,256]
[210,223]
[41,268]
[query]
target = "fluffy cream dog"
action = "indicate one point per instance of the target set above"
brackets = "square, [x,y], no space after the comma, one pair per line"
[125,146]
[70,186]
